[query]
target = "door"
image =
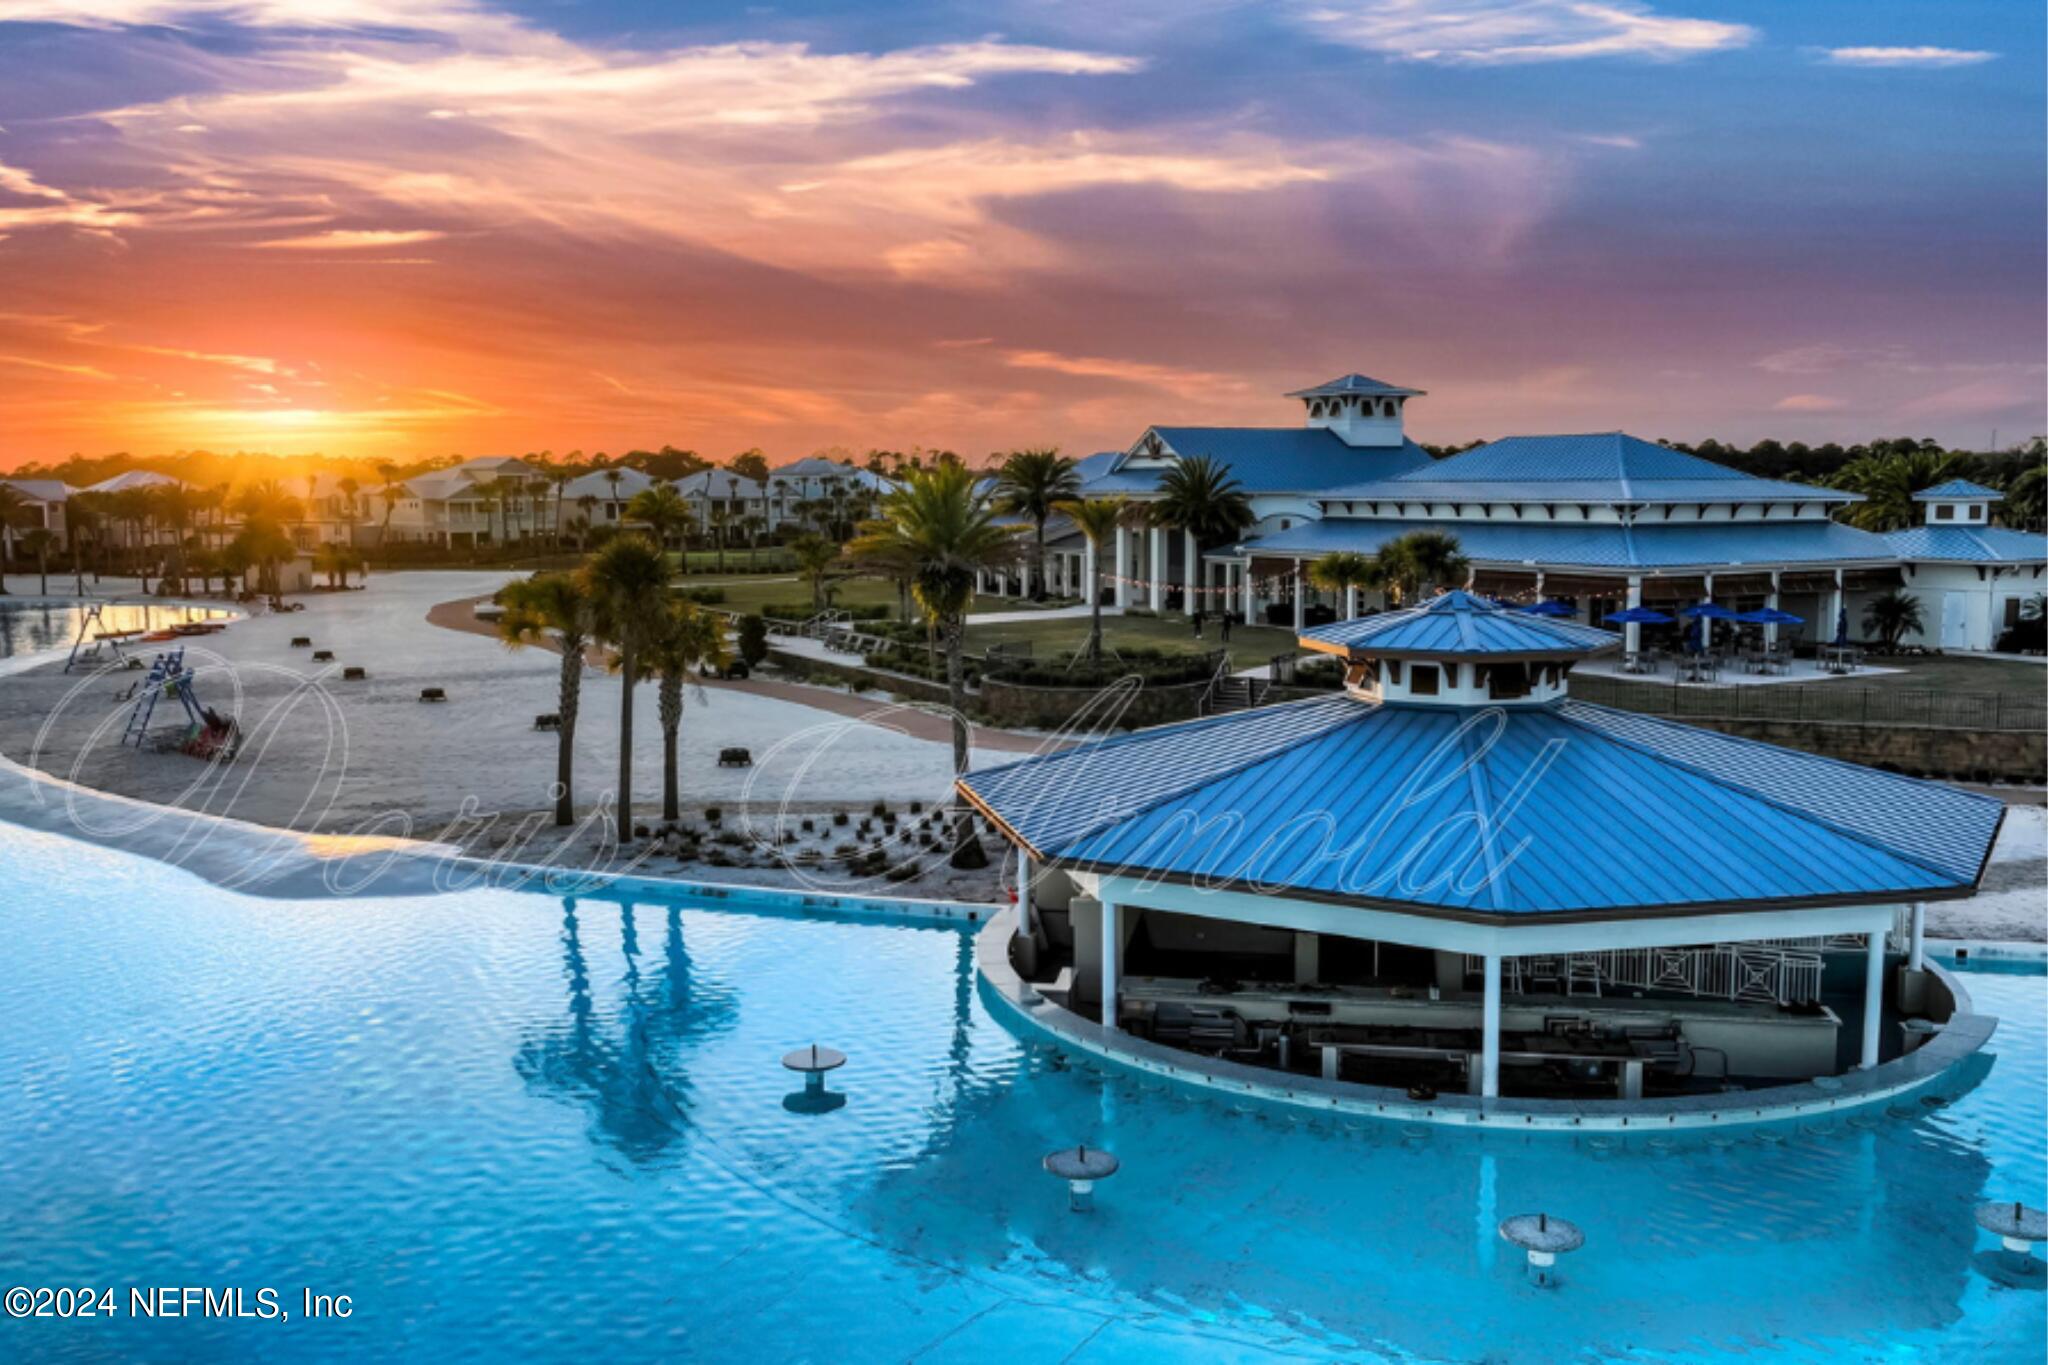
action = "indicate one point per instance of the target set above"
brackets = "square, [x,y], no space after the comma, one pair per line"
[1955,628]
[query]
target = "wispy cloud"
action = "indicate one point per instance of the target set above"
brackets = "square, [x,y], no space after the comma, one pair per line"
[1808,402]
[341,239]
[1906,56]
[1504,32]
[1185,382]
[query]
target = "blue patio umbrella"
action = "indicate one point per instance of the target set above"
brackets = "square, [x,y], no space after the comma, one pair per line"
[1708,611]
[1552,608]
[1842,627]
[1638,616]
[1692,636]
[1770,616]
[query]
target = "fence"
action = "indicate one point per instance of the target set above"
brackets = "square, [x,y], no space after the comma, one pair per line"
[1826,702]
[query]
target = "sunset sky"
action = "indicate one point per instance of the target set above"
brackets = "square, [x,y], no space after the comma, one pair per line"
[400,228]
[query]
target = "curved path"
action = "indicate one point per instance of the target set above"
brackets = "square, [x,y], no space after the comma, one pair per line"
[908,719]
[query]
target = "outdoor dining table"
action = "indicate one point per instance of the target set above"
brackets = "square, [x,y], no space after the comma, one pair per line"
[1840,658]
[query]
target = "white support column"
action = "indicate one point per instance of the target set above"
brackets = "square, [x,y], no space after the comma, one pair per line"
[1190,574]
[1122,571]
[1087,593]
[1826,634]
[1245,570]
[1916,953]
[1873,998]
[1300,597]
[1771,601]
[1633,631]
[1489,1030]
[1351,602]
[1027,914]
[1112,972]
[1707,622]
[1155,577]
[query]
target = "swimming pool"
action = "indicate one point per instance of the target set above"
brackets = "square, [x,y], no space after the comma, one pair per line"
[506,1123]
[38,624]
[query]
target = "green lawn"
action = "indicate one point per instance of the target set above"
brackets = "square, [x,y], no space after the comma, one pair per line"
[1951,673]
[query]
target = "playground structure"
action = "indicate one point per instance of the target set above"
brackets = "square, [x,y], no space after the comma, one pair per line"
[93,637]
[207,733]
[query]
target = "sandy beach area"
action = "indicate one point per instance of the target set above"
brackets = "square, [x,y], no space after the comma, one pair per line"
[328,756]
[325,755]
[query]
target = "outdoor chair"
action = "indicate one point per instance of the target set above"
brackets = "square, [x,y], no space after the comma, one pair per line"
[548,720]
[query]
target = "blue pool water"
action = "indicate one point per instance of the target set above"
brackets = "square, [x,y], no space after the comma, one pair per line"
[30,627]
[510,1125]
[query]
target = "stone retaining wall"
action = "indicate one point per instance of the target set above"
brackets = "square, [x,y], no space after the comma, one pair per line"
[1923,751]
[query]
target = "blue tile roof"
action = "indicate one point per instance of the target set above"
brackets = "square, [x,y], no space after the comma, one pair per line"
[1707,545]
[1606,467]
[1270,459]
[1356,383]
[1957,488]
[1457,625]
[1591,811]
[1969,544]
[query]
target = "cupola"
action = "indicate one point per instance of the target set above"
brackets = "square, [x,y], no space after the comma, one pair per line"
[1957,503]
[1458,650]
[1358,410]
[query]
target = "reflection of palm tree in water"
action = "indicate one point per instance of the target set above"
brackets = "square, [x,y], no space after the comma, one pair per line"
[634,1106]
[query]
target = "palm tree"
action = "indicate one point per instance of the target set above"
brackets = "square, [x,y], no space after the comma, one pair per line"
[351,510]
[720,520]
[751,526]
[39,541]
[662,509]
[613,478]
[938,521]
[82,519]
[627,584]
[815,556]
[1888,482]
[390,492]
[688,638]
[1098,520]
[2026,499]
[265,508]
[1891,616]
[1199,497]
[173,504]
[585,503]
[1422,561]
[1031,484]
[13,516]
[1342,570]
[553,609]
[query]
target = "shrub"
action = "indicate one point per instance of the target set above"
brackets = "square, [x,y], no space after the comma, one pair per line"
[703,597]
[1157,667]
[753,639]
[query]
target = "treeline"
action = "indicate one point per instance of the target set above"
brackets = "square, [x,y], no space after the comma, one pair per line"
[1802,463]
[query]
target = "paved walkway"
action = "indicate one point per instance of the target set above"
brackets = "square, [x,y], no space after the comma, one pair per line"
[1004,618]
[905,719]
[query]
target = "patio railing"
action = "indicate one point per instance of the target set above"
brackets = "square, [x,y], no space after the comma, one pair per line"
[1827,702]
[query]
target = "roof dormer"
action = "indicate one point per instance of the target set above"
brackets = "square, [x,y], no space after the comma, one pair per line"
[1957,503]
[1359,410]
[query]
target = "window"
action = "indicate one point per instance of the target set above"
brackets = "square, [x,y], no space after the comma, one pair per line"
[1394,671]
[1976,511]
[1507,682]
[2012,612]
[1944,511]
[1424,681]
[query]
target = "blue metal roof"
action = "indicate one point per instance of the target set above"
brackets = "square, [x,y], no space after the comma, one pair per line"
[1957,488]
[1590,811]
[1356,383]
[1607,467]
[1269,459]
[1969,544]
[1458,625]
[1581,545]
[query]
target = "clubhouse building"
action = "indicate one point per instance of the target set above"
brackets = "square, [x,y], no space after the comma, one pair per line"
[1602,521]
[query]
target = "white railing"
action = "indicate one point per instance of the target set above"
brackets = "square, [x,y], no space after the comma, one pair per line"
[1760,972]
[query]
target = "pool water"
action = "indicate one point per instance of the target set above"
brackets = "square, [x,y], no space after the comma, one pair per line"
[34,626]
[508,1124]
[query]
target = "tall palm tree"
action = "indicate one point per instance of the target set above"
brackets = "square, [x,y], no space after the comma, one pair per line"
[688,638]
[13,517]
[627,584]
[662,509]
[815,556]
[1199,497]
[1098,520]
[1892,616]
[1342,570]
[82,519]
[720,521]
[586,503]
[938,521]
[390,492]
[1888,482]
[39,542]
[265,507]
[553,609]
[173,504]
[1422,561]
[1031,484]
[2026,499]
